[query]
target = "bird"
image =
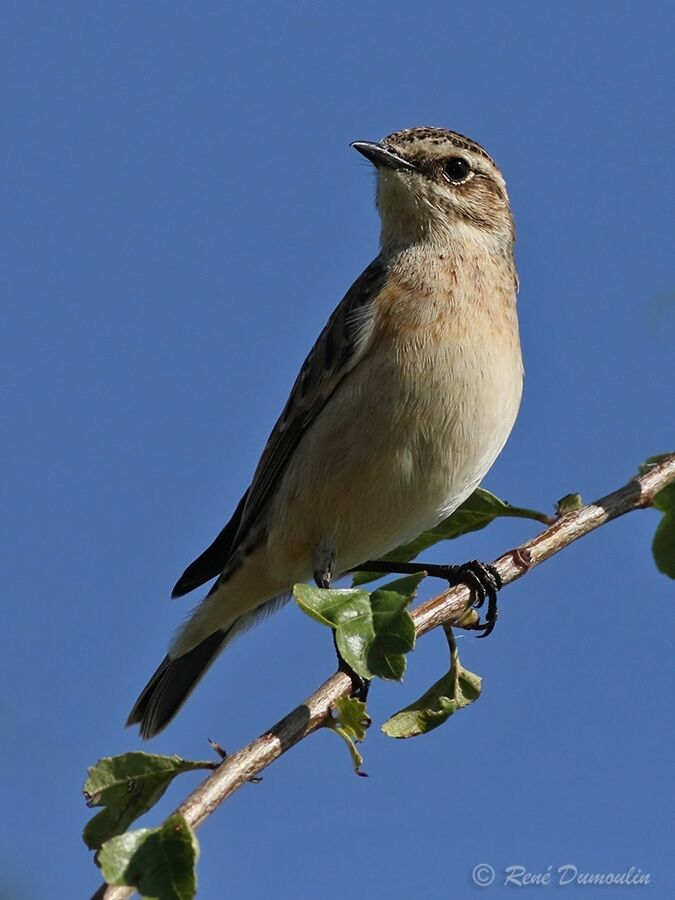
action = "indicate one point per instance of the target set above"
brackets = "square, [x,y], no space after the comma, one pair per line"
[397,414]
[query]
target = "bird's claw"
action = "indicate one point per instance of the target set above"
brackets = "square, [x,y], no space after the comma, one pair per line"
[483,580]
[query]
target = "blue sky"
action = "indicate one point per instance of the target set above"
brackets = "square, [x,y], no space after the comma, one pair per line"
[181,214]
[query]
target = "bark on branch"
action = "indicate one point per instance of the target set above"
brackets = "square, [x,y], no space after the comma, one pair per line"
[445,608]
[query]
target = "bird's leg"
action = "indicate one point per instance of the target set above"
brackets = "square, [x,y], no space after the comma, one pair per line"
[323,577]
[360,686]
[325,569]
[481,578]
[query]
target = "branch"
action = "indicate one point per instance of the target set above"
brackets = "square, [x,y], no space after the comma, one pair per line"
[445,608]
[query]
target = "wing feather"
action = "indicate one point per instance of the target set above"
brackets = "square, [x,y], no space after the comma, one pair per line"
[213,560]
[338,349]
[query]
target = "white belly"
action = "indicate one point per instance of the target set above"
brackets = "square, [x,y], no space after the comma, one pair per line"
[396,450]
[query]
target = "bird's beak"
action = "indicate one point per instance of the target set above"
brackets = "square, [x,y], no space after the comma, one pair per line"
[381,155]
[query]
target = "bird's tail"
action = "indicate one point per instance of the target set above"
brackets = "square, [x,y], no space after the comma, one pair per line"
[175,679]
[172,683]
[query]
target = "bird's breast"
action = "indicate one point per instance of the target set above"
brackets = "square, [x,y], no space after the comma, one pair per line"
[409,433]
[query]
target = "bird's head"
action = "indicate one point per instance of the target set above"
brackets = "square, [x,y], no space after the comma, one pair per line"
[438,186]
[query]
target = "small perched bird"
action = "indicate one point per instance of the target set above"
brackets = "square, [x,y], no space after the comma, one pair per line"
[398,412]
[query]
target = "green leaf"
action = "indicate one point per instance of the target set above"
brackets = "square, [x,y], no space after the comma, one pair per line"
[158,862]
[665,499]
[652,461]
[373,631]
[456,689]
[663,546]
[128,786]
[568,503]
[350,721]
[475,513]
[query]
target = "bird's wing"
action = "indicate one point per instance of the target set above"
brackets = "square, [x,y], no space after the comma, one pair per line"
[340,346]
[212,561]
[338,349]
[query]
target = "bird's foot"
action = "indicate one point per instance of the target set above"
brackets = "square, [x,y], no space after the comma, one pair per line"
[483,580]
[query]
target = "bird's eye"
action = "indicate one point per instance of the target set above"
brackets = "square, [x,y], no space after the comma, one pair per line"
[457,169]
